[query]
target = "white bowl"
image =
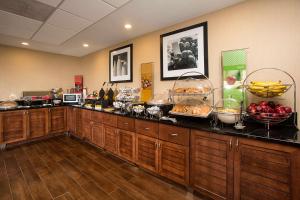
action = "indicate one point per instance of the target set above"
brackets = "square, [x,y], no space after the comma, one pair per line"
[228,118]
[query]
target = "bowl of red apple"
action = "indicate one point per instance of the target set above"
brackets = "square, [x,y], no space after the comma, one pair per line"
[269,112]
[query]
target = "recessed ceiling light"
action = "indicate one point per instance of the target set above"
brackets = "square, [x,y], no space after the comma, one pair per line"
[128,26]
[85,45]
[25,43]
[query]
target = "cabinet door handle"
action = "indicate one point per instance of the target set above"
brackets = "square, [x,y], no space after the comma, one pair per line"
[174,134]
[156,145]
[237,145]
[230,144]
[159,145]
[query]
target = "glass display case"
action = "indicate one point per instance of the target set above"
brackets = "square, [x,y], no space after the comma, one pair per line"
[193,97]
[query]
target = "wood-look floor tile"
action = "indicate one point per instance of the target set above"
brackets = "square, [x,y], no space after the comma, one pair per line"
[5,192]
[63,168]
[121,195]
[19,188]
[66,196]
[52,183]
[37,188]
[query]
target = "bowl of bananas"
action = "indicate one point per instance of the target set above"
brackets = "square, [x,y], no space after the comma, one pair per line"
[267,89]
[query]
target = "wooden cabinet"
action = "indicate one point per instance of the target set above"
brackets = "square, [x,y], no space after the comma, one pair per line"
[71,119]
[147,152]
[57,119]
[96,117]
[13,126]
[174,134]
[266,171]
[126,123]
[212,164]
[126,145]
[174,162]
[147,128]
[78,123]
[97,134]
[111,139]
[109,119]
[37,122]
[224,167]
[86,124]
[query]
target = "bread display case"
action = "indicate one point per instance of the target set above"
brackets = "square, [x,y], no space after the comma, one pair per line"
[192,97]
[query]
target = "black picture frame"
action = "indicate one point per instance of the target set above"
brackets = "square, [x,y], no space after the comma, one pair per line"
[204,56]
[117,52]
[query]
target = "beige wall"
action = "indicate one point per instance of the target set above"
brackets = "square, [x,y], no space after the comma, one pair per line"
[269,28]
[22,69]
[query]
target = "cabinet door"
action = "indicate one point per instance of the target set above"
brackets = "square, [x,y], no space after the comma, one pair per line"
[111,139]
[13,125]
[126,144]
[78,124]
[212,164]
[86,129]
[147,152]
[174,162]
[97,134]
[38,122]
[57,119]
[266,171]
[71,119]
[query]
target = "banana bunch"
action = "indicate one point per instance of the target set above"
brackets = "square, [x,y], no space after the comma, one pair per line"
[267,88]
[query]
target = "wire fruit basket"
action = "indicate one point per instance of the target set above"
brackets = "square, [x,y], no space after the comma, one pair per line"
[267,112]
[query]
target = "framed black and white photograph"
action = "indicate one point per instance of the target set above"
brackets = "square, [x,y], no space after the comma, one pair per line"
[120,64]
[184,50]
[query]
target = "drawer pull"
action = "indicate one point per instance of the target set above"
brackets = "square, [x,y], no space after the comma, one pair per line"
[147,128]
[125,123]
[174,134]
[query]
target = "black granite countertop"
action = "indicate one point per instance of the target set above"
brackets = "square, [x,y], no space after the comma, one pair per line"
[287,134]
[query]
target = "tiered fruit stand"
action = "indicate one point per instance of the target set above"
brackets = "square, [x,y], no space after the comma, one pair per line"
[272,90]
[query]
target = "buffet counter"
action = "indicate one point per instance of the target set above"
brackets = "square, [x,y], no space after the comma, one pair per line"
[288,135]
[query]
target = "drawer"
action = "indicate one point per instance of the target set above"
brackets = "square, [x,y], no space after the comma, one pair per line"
[174,134]
[96,117]
[126,123]
[109,119]
[147,128]
[86,114]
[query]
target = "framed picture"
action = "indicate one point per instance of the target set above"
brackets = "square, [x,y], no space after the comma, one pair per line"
[120,64]
[184,50]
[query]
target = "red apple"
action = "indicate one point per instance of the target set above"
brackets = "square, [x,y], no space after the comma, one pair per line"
[288,109]
[230,80]
[259,108]
[263,103]
[253,104]
[252,110]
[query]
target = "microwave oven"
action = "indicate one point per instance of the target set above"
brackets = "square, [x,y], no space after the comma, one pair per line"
[72,98]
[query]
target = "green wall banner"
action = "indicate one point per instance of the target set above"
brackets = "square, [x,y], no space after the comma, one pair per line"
[234,65]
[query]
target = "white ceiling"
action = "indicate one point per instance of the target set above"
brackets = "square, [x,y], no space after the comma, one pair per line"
[100,23]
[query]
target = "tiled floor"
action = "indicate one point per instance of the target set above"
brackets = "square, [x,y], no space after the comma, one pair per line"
[64,168]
